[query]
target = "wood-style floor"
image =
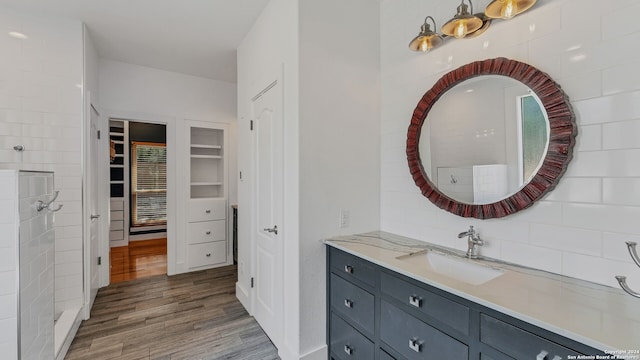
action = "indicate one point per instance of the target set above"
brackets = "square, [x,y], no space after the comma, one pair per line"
[188,316]
[138,260]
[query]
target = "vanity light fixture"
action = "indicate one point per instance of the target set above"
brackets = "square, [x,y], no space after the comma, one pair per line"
[464,23]
[506,9]
[426,39]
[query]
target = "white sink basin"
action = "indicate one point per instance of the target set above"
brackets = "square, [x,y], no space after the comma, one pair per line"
[463,270]
[460,269]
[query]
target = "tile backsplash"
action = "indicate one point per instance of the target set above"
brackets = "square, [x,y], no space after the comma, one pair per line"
[41,109]
[579,229]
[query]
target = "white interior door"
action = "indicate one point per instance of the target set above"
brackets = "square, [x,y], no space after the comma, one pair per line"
[267,205]
[93,248]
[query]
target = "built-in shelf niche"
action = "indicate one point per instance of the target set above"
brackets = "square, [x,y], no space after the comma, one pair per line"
[206,163]
[118,182]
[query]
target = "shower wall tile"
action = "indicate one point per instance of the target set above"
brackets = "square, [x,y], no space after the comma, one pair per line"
[8,274]
[36,269]
[41,109]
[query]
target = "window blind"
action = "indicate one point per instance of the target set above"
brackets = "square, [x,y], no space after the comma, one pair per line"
[148,183]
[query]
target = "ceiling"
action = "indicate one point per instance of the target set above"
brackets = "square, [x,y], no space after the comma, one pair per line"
[195,37]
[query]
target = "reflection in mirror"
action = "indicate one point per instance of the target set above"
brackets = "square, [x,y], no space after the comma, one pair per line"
[535,127]
[484,139]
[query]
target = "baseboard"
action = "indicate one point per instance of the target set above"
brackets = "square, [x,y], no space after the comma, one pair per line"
[140,237]
[66,327]
[118,243]
[243,296]
[317,354]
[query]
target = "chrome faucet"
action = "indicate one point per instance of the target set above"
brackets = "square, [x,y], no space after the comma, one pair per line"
[473,241]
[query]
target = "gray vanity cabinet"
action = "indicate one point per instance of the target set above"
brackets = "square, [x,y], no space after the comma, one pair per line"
[374,313]
[518,343]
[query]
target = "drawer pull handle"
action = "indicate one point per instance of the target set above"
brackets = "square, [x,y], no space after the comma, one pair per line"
[348,303]
[414,345]
[415,301]
[208,232]
[348,350]
[542,355]
[348,269]
[208,211]
[209,255]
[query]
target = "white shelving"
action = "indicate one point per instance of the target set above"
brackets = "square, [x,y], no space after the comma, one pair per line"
[205,230]
[207,162]
[119,172]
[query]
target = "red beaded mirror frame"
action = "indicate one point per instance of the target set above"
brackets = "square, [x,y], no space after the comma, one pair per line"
[562,135]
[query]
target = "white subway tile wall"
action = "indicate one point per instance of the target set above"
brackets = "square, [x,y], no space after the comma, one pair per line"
[580,228]
[41,109]
[36,269]
[9,223]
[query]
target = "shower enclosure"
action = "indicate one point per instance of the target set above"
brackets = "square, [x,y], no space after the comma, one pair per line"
[27,287]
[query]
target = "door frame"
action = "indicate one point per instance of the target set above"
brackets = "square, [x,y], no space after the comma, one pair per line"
[172,205]
[87,184]
[278,85]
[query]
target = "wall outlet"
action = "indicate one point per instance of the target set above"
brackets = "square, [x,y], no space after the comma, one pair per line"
[345,218]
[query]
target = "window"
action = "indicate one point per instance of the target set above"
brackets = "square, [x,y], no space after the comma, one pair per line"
[534,136]
[148,183]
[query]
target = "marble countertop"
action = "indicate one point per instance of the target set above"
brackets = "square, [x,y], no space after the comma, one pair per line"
[602,317]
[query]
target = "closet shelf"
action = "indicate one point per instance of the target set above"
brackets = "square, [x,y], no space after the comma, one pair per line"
[117,166]
[117,182]
[112,133]
[206,183]
[204,146]
[118,141]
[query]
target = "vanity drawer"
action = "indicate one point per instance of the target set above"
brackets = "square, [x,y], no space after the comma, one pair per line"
[518,343]
[206,210]
[435,306]
[352,302]
[414,339]
[206,254]
[206,231]
[347,343]
[350,265]
[382,355]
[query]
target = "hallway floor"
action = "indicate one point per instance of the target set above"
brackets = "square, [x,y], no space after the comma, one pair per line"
[188,316]
[138,260]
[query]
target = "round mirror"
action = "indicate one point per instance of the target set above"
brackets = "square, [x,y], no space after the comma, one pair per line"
[490,138]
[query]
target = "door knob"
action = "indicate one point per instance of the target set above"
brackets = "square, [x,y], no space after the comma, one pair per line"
[94,216]
[274,229]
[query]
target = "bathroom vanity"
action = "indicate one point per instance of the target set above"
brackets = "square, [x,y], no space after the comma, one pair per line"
[391,297]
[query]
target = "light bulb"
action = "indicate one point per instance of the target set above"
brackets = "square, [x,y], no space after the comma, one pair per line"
[460,30]
[509,9]
[424,45]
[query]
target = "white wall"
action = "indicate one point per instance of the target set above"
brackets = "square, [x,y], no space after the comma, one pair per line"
[580,228]
[331,119]
[268,52]
[339,140]
[140,93]
[41,108]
